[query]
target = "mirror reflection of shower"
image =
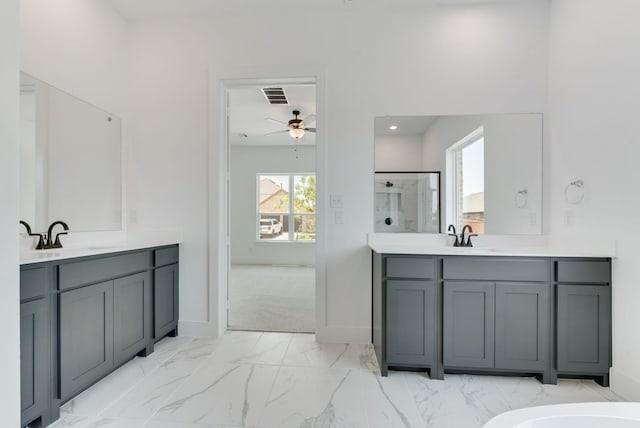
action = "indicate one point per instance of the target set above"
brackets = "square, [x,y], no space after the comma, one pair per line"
[407,202]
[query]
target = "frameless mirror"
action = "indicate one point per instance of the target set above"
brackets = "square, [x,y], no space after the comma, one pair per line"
[70,161]
[490,168]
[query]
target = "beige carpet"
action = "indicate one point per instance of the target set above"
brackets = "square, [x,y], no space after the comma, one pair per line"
[272,298]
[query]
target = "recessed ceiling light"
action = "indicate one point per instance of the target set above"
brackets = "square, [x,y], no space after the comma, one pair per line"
[393,127]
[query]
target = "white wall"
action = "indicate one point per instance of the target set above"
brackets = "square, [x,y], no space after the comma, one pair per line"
[77,46]
[594,105]
[398,153]
[246,162]
[513,150]
[377,61]
[9,276]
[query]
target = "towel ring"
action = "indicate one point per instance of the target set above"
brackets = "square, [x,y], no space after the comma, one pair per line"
[520,198]
[574,192]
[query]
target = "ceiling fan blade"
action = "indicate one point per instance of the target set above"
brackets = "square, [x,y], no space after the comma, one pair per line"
[309,119]
[279,132]
[276,121]
[310,129]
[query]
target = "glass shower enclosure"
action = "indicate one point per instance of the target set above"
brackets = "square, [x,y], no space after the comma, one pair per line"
[407,202]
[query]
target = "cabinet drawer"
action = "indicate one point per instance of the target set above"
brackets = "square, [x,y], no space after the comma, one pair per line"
[33,283]
[584,271]
[482,268]
[166,256]
[410,267]
[88,271]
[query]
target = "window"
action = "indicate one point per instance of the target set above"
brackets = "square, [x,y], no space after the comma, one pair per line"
[465,182]
[286,207]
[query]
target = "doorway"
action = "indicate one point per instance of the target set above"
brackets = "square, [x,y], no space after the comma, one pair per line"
[271,281]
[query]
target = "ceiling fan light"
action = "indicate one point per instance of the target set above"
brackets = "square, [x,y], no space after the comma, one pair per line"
[296,133]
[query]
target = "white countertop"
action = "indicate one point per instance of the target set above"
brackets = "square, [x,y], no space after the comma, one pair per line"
[37,256]
[485,246]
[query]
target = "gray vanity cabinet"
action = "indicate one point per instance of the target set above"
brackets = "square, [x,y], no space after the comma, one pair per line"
[132,315]
[86,336]
[522,326]
[468,324]
[406,313]
[584,318]
[493,314]
[34,345]
[497,314]
[165,292]
[411,322]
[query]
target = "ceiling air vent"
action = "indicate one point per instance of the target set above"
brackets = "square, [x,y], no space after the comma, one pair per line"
[275,95]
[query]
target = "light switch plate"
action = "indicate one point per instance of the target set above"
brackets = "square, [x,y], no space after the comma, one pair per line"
[336,201]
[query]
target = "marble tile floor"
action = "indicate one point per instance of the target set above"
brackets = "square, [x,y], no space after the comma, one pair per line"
[273,380]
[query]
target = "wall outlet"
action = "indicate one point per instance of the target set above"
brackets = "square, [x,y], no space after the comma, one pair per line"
[533,219]
[339,217]
[336,201]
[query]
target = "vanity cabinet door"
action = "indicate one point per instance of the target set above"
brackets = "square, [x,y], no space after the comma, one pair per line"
[522,326]
[34,359]
[165,300]
[468,324]
[132,315]
[584,328]
[411,322]
[86,337]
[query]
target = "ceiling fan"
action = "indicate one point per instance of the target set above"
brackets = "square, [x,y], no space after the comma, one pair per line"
[296,126]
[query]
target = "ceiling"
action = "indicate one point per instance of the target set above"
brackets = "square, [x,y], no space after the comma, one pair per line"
[407,125]
[249,108]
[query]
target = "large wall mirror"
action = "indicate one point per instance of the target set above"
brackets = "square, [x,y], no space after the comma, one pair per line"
[70,161]
[490,168]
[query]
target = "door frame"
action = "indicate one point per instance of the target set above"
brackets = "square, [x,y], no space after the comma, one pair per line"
[219,190]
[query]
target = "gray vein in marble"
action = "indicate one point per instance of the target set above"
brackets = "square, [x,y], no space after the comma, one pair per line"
[328,415]
[402,416]
[178,403]
[245,405]
[346,347]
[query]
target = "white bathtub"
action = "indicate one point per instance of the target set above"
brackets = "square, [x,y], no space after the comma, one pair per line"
[578,415]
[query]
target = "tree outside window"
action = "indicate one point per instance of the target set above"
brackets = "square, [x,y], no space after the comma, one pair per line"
[286,207]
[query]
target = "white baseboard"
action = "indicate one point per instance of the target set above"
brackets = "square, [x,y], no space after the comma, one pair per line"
[343,335]
[196,329]
[624,385]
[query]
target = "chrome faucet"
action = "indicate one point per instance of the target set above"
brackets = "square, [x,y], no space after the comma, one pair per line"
[51,243]
[462,235]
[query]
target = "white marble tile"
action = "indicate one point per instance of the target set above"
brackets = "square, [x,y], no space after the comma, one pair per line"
[458,401]
[388,401]
[73,421]
[200,348]
[250,348]
[165,424]
[315,397]
[306,352]
[98,397]
[527,392]
[144,399]
[221,393]
[169,346]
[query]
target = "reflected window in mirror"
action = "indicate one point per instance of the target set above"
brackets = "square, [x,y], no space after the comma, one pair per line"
[466,181]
